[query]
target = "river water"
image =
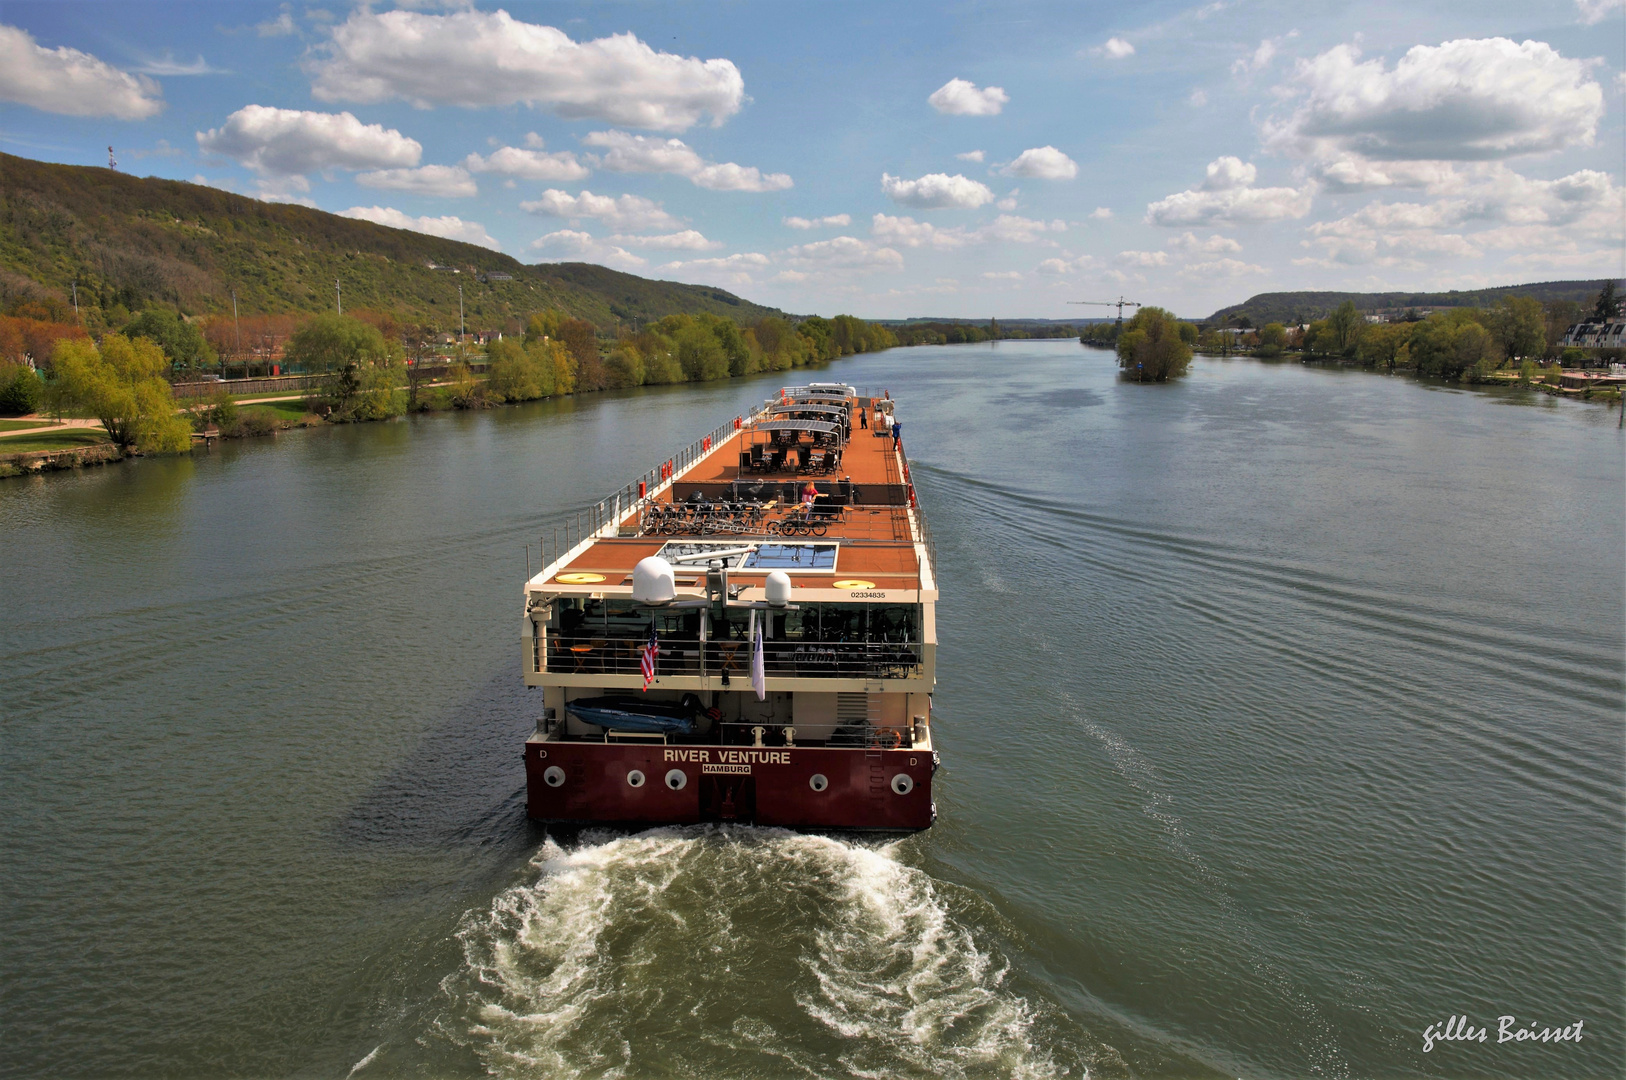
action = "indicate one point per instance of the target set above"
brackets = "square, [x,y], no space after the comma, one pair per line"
[1281,713]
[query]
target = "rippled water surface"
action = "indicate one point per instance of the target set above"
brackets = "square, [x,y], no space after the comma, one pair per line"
[1281,712]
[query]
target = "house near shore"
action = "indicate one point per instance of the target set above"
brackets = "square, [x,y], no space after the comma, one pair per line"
[1596,335]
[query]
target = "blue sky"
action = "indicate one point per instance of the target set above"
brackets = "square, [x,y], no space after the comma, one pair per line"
[887,160]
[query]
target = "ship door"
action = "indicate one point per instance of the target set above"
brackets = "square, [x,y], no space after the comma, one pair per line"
[728,798]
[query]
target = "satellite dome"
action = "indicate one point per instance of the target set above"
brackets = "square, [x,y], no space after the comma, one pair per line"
[777,588]
[653,581]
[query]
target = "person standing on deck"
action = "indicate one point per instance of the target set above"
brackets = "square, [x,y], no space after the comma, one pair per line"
[897,435]
[863,419]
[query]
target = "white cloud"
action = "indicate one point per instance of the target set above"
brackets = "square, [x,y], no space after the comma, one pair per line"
[1070,264]
[1214,245]
[630,213]
[476,58]
[1100,213]
[529,164]
[1465,100]
[1116,48]
[936,191]
[1042,163]
[575,246]
[1222,268]
[451,228]
[1198,98]
[687,240]
[1143,258]
[1008,228]
[843,253]
[446,181]
[1352,172]
[281,26]
[1261,56]
[971,155]
[1228,197]
[733,268]
[284,142]
[837,220]
[167,65]
[71,82]
[957,97]
[1592,12]
[1003,275]
[646,154]
[1575,217]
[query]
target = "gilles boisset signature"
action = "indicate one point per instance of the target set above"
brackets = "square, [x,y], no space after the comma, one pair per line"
[1461,1029]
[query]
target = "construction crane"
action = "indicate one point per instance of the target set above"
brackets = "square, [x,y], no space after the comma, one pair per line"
[1119,303]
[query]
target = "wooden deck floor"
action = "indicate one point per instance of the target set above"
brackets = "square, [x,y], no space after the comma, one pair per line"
[876,542]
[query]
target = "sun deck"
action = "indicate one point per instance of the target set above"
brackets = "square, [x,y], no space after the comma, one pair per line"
[743,487]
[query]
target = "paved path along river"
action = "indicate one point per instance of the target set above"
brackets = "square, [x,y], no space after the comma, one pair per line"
[1281,712]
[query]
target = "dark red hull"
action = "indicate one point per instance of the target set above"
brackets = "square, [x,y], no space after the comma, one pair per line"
[762,786]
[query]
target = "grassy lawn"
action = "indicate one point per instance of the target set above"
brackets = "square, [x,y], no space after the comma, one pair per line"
[22,425]
[54,440]
[284,410]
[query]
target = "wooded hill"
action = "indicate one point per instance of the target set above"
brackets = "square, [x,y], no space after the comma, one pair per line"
[1295,308]
[129,241]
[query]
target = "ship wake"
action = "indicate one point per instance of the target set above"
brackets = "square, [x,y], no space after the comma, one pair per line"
[741,951]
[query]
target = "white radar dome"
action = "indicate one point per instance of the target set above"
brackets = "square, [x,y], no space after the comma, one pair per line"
[653,581]
[778,588]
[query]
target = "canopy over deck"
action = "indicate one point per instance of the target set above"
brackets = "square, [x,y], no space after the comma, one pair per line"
[818,427]
[809,407]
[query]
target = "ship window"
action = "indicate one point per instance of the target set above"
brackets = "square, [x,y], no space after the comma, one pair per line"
[792,557]
[858,623]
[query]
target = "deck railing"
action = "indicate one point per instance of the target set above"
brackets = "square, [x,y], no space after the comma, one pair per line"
[580,525]
[588,655]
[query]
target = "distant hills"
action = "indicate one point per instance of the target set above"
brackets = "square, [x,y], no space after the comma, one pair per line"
[1302,307]
[128,241]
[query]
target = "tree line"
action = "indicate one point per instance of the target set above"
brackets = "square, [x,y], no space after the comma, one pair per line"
[374,367]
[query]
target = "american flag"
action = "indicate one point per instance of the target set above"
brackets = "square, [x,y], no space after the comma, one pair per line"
[651,652]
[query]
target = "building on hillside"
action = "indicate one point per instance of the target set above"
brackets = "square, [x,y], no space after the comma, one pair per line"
[496,275]
[1596,335]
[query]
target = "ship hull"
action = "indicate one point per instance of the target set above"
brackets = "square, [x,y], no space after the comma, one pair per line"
[882,790]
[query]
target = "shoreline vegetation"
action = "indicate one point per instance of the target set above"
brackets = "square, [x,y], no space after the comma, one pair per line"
[366,367]
[1517,341]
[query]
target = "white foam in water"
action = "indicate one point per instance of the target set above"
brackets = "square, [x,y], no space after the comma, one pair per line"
[718,951]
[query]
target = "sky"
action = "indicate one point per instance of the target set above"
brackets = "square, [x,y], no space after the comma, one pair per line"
[887,160]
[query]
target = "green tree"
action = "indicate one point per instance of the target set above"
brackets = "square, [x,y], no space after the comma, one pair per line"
[1519,326]
[1273,335]
[1607,306]
[1382,346]
[519,372]
[367,371]
[122,385]
[20,390]
[183,343]
[1154,346]
[1452,345]
[700,354]
[1560,315]
[329,342]
[625,365]
[730,340]
[1345,326]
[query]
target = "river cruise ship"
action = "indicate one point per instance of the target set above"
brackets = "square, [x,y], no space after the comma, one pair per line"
[744,634]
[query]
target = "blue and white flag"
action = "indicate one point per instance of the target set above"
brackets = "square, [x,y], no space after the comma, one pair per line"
[759,674]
